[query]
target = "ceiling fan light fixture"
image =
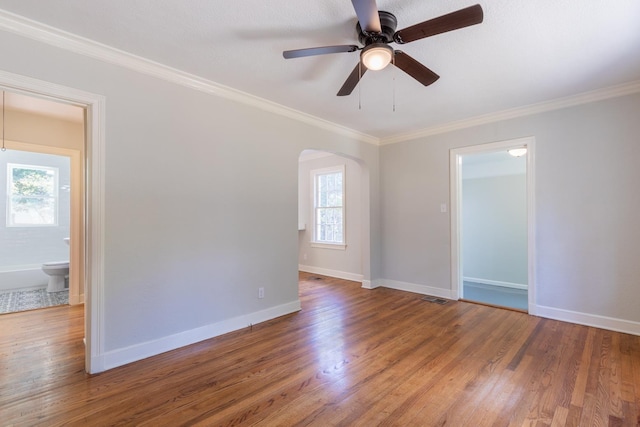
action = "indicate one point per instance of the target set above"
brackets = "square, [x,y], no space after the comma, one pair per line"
[517,152]
[376,56]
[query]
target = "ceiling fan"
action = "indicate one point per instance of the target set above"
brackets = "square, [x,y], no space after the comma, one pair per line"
[376,29]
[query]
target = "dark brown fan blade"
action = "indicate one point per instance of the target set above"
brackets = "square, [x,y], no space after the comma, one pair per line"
[352,80]
[414,68]
[298,53]
[367,11]
[452,21]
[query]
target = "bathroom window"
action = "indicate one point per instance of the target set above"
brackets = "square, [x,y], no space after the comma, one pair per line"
[32,196]
[328,207]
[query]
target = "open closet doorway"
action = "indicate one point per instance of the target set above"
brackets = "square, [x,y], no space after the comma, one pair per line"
[492,224]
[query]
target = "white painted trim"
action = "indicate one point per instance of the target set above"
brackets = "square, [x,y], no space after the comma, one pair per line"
[370,284]
[331,273]
[495,283]
[52,36]
[307,155]
[455,191]
[334,246]
[76,299]
[419,289]
[455,182]
[313,179]
[531,227]
[94,280]
[527,110]
[141,351]
[594,320]
[95,234]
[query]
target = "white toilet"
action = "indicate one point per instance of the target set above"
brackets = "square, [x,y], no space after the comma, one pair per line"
[57,271]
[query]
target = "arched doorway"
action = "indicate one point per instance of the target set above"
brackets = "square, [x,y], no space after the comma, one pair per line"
[320,251]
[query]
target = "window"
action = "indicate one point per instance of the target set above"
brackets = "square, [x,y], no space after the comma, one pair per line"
[32,195]
[328,204]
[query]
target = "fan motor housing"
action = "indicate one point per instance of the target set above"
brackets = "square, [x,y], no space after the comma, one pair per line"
[388,23]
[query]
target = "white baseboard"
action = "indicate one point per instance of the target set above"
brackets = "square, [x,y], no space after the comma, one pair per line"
[331,273]
[495,283]
[603,322]
[371,284]
[419,289]
[76,299]
[594,320]
[141,351]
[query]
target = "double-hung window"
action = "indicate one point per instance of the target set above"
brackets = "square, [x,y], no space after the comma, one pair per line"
[32,196]
[328,207]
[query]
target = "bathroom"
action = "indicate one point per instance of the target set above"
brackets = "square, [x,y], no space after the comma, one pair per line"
[33,228]
[41,204]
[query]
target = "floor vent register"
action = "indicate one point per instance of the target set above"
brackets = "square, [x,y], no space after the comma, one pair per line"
[435,300]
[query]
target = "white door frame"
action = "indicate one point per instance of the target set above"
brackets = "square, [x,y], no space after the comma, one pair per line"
[455,169]
[94,200]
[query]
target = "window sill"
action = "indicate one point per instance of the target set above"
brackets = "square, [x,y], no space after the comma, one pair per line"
[338,246]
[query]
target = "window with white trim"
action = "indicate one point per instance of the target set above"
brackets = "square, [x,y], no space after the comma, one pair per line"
[32,196]
[328,207]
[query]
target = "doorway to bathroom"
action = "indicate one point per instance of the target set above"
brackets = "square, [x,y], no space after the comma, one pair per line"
[35,221]
[41,218]
[91,207]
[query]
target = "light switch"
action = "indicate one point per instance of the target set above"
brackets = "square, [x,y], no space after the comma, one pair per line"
[443,207]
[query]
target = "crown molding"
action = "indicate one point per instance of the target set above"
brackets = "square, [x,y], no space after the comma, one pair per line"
[527,110]
[55,37]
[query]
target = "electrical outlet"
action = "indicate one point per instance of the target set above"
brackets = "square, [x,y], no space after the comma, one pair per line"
[304,256]
[260,292]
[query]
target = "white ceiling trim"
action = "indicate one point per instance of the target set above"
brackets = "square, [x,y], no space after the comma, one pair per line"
[527,110]
[46,34]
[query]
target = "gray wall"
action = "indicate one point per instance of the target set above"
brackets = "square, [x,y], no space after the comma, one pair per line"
[494,228]
[338,263]
[22,246]
[201,197]
[587,204]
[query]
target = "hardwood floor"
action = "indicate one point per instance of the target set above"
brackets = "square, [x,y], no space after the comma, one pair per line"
[351,357]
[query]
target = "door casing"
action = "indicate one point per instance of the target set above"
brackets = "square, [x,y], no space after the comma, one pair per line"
[455,182]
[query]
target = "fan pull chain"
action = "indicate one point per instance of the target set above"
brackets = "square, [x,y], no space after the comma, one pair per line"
[359,85]
[395,71]
[3,147]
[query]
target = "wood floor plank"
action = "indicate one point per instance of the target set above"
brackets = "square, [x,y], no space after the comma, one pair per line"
[577,396]
[615,378]
[351,357]
[560,417]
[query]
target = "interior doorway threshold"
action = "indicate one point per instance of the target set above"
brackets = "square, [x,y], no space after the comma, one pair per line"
[494,305]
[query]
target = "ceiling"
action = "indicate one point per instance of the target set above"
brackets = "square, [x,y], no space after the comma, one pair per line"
[524,52]
[44,107]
